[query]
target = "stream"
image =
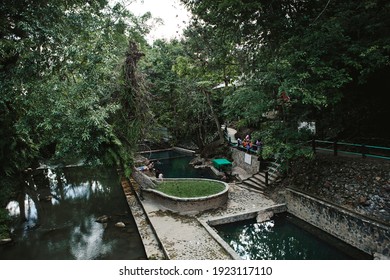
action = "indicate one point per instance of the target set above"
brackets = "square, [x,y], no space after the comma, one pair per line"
[61,208]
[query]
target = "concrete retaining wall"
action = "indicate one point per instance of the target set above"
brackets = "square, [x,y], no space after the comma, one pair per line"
[143,180]
[279,208]
[246,161]
[365,234]
[187,206]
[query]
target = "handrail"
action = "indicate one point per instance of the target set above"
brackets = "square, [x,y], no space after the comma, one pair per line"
[363,149]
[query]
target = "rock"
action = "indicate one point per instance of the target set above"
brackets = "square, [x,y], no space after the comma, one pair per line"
[360,185]
[197,161]
[200,166]
[378,256]
[102,219]
[264,216]
[328,184]
[120,224]
[5,241]
[362,200]
[386,188]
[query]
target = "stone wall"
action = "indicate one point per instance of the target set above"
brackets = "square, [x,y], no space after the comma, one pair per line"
[143,180]
[246,161]
[367,235]
[188,206]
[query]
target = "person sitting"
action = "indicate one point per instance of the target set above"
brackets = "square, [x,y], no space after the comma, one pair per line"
[248,146]
[151,165]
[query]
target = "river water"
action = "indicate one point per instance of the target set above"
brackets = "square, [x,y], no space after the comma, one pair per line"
[61,210]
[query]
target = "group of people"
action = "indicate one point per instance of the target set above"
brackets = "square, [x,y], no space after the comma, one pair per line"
[248,144]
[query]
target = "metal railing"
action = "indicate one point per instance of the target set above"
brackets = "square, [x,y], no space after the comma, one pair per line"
[362,150]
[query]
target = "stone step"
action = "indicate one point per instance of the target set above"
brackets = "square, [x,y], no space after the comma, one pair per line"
[253,185]
[260,176]
[256,190]
[257,180]
[271,177]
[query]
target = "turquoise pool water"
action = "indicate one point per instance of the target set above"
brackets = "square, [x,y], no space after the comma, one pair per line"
[285,237]
[174,164]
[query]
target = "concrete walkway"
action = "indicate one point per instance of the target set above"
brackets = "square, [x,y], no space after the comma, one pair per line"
[186,238]
[231,134]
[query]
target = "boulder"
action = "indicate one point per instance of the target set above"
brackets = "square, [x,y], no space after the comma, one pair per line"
[264,216]
[102,219]
[120,224]
[5,241]
[197,161]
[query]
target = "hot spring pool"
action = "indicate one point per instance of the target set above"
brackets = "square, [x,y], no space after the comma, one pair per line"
[285,237]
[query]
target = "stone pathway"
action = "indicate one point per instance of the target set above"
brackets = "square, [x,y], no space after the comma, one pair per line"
[150,240]
[231,132]
[184,237]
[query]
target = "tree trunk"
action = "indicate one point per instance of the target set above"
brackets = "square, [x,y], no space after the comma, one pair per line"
[215,117]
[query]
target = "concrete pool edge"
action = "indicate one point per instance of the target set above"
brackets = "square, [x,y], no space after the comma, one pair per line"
[208,223]
[188,206]
[361,232]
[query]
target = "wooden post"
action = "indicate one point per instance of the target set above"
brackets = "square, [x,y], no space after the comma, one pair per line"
[266,178]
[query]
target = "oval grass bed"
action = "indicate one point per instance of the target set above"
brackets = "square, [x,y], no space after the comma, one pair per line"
[189,188]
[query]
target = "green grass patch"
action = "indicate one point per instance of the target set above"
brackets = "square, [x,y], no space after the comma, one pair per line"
[190,188]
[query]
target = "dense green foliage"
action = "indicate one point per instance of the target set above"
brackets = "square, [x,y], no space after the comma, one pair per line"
[71,85]
[303,61]
[182,100]
[63,86]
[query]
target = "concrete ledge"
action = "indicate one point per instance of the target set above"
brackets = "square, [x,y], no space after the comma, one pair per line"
[235,218]
[219,239]
[279,208]
[183,150]
[188,206]
[361,232]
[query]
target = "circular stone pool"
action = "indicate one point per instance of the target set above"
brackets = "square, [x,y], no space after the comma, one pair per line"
[188,205]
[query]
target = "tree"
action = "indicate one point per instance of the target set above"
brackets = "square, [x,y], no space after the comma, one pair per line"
[181,98]
[60,81]
[164,86]
[305,59]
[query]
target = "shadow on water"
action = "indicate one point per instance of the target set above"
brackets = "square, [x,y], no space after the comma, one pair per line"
[285,237]
[61,219]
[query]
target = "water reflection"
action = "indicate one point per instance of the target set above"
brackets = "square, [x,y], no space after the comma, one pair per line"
[61,208]
[88,241]
[281,239]
[30,210]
